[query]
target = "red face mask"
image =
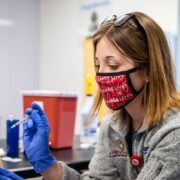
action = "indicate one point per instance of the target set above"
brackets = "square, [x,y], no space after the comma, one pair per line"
[116,88]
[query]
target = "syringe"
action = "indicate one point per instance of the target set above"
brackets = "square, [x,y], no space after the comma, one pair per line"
[19,122]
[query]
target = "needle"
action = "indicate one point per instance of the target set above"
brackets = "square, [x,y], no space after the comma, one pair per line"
[19,122]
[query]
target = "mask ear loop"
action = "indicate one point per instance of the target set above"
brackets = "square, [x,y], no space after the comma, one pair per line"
[130,82]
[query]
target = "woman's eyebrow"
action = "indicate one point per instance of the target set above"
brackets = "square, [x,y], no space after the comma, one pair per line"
[110,57]
[106,57]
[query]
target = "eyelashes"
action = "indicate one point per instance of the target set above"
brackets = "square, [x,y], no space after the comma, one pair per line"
[110,67]
[113,67]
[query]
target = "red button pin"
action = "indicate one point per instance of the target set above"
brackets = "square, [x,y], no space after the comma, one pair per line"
[136,161]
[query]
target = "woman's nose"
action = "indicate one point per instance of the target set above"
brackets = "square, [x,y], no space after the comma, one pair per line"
[101,69]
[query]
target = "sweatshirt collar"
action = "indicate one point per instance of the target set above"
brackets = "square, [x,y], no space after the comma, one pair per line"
[122,128]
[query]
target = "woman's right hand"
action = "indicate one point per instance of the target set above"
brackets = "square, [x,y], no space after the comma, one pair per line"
[8,175]
[36,139]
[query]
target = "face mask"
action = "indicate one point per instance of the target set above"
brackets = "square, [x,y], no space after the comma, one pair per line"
[116,88]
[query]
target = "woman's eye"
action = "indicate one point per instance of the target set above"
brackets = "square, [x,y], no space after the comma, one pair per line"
[113,67]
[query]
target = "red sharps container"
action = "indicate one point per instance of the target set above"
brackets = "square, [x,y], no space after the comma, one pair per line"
[60,109]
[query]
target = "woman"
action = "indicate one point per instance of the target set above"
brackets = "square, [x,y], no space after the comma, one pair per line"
[140,138]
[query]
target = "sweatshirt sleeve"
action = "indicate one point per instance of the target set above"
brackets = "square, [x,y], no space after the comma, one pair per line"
[164,160]
[100,166]
[69,173]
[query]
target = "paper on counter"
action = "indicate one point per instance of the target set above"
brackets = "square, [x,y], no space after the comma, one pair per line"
[9,159]
[2,152]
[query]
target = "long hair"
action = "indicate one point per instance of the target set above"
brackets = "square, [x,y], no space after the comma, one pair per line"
[152,53]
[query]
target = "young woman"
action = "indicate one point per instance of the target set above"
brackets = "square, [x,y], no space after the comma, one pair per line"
[140,138]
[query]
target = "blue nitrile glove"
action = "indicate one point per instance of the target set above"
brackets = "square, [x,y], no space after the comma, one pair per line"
[8,175]
[36,139]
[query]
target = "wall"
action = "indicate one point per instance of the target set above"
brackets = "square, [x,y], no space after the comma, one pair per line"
[61,49]
[19,54]
[177,50]
[65,23]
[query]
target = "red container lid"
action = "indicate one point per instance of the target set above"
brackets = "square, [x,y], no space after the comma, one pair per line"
[48,93]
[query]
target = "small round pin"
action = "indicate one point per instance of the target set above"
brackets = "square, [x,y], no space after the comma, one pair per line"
[136,161]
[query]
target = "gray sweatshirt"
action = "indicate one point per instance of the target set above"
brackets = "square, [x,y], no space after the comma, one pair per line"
[158,147]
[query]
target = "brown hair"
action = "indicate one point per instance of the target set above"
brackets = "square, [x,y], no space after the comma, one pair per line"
[152,53]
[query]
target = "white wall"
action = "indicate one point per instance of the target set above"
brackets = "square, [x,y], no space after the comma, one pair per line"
[19,54]
[65,23]
[61,49]
[177,50]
